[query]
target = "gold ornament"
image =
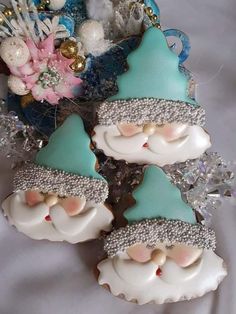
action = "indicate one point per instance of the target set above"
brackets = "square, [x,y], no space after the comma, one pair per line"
[78,65]
[149,11]
[26,100]
[69,49]
[154,19]
[41,7]
[8,12]
[43,4]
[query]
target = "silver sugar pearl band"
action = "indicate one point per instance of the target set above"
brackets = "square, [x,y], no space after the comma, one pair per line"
[153,231]
[149,110]
[35,177]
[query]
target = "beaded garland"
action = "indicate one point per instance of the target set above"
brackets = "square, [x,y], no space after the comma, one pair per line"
[34,177]
[148,110]
[154,231]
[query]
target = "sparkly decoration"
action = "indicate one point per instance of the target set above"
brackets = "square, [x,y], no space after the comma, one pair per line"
[204,182]
[138,111]
[154,231]
[17,140]
[50,78]
[34,177]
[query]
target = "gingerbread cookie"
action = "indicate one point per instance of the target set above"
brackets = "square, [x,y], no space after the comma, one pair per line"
[60,197]
[163,254]
[152,119]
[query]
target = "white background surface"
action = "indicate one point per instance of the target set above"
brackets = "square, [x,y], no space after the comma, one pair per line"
[38,277]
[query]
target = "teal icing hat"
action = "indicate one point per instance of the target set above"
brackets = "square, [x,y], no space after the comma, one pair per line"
[66,165]
[159,216]
[153,89]
[157,197]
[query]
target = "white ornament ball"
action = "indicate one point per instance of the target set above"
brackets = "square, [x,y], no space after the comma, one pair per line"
[90,31]
[14,52]
[17,86]
[56,4]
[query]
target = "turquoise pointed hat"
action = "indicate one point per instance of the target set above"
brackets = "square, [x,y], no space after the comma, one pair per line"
[159,215]
[160,198]
[66,165]
[153,89]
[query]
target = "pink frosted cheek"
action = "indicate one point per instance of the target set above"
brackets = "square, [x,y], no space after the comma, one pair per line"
[33,198]
[73,205]
[172,131]
[184,257]
[139,253]
[129,129]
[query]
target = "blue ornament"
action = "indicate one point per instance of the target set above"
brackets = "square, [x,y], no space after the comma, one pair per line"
[184,54]
[41,115]
[99,80]
[76,9]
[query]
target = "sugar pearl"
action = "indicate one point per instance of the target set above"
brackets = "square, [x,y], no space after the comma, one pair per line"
[149,128]
[159,257]
[14,51]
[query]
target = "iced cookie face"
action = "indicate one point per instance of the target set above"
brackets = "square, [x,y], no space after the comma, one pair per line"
[166,273]
[151,143]
[48,216]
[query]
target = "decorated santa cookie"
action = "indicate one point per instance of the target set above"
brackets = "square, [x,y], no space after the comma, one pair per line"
[152,119]
[163,254]
[60,197]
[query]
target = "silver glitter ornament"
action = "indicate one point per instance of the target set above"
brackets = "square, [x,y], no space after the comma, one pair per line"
[17,140]
[204,182]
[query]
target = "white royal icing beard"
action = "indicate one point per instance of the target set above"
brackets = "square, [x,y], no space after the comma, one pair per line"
[31,220]
[139,282]
[193,143]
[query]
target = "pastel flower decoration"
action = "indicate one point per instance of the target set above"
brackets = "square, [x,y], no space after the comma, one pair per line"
[47,74]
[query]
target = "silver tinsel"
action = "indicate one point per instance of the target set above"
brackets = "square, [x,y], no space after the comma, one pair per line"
[204,182]
[17,140]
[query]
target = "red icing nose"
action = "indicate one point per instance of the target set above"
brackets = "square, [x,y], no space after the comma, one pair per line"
[48,218]
[145,145]
[159,272]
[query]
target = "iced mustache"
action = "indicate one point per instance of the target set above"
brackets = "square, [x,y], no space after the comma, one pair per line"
[140,274]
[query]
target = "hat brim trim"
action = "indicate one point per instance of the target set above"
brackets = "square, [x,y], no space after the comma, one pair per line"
[154,231]
[35,177]
[150,110]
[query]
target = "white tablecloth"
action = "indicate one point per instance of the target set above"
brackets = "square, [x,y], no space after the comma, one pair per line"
[39,277]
